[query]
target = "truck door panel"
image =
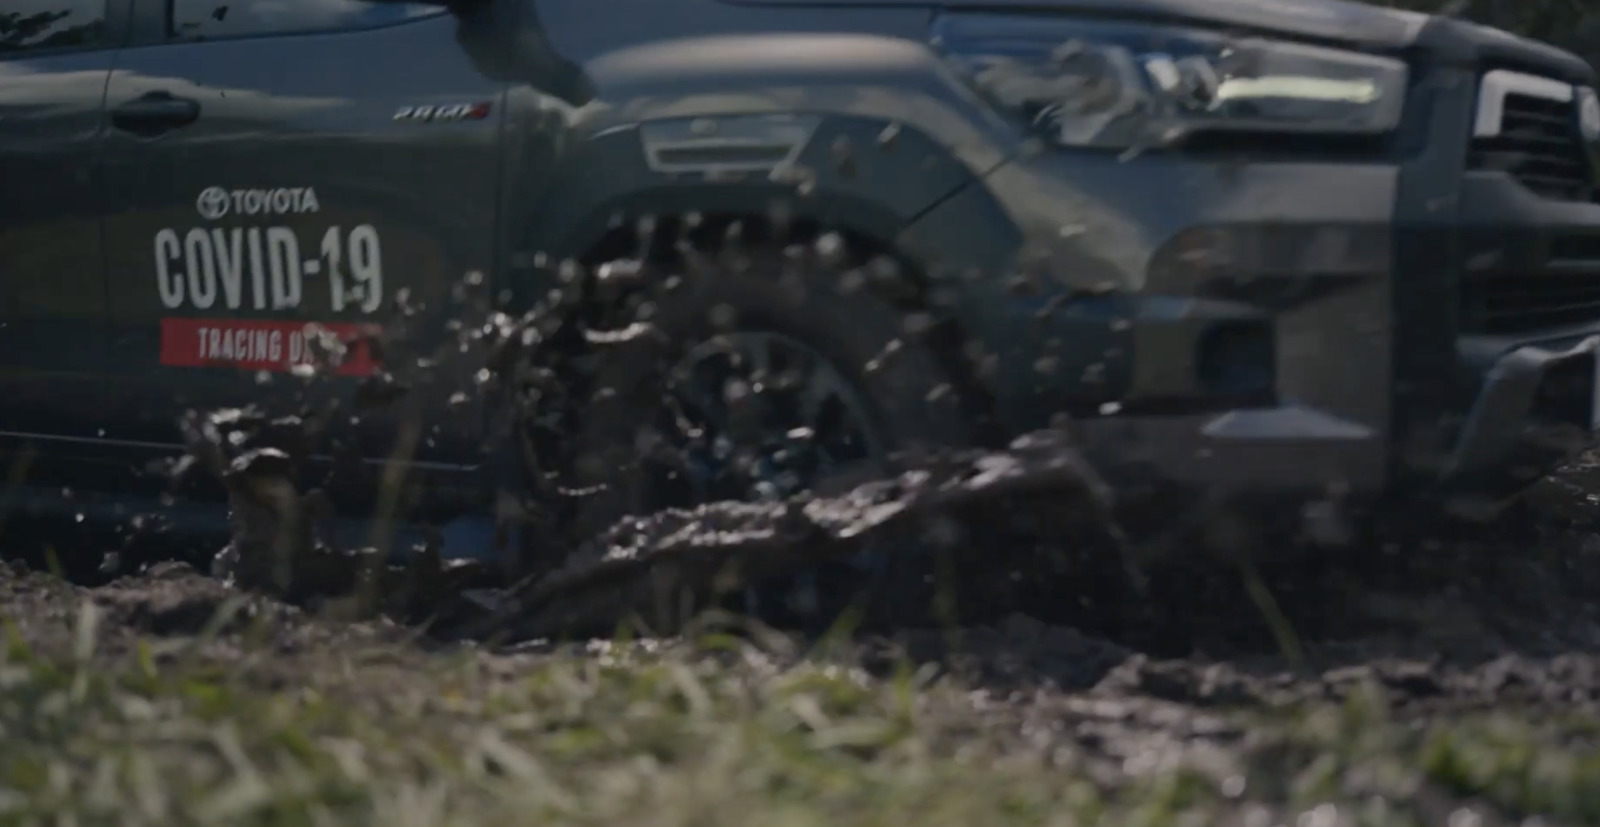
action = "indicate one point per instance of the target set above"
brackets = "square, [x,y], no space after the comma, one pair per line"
[306,189]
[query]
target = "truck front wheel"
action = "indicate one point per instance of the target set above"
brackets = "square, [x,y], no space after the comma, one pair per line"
[759,376]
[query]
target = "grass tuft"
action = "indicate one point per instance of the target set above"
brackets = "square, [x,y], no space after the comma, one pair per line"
[238,726]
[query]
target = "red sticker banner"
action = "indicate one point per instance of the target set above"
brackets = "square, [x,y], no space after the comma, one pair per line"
[253,344]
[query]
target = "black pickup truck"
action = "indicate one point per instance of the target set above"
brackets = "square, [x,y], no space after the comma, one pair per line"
[1284,247]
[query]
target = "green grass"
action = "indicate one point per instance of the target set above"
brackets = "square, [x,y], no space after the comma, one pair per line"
[275,725]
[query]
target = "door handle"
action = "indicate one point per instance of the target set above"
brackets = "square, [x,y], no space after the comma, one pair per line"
[155,112]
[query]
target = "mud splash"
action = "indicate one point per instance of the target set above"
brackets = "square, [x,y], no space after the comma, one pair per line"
[1005,523]
[282,541]
[666,567]
[660,569]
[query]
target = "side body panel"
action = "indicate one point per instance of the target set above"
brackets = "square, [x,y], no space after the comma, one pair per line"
[1354,22]
[330,177]
[213,244]
[52,290]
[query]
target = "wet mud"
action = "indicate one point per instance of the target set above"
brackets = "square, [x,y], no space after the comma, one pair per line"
[1474,629]
[1453,644]
[660,570]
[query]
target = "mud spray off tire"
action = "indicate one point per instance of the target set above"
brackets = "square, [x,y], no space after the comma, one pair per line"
[761,374]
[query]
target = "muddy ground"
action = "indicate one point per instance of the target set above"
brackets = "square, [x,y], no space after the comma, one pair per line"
[1444,643]
[1459,623]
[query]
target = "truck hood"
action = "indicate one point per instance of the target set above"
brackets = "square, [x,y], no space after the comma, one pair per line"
[1350,22]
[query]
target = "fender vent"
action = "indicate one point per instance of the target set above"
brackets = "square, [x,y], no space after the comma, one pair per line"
[726,144]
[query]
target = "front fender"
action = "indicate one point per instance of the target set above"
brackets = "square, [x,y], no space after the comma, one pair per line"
[871,176]
[868,75]
[893,128]
[884,134]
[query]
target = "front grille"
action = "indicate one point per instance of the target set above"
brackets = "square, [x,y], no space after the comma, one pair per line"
[1539,144]
[1509,304]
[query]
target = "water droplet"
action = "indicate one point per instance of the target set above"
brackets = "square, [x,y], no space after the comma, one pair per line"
[889,137]
[723,316]
[830,247]
[916,324]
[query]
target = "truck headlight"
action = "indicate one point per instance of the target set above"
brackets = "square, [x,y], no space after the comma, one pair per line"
[1120,86]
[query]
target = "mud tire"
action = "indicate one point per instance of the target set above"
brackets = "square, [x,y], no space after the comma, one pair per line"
[906,391]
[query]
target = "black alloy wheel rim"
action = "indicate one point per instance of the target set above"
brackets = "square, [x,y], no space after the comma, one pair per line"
[757,416]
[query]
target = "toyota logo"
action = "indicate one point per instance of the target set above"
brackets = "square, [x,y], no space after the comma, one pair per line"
[212,203]
[1589,114]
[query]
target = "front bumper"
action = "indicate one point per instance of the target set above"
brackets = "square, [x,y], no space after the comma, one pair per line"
[1534,409]
[1381,383]
[1128,270]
